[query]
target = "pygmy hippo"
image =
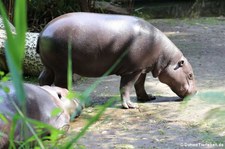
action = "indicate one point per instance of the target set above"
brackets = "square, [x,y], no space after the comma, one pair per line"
[40,103]
[129,45]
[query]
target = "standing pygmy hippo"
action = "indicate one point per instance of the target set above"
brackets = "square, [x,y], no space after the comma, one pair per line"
[99,41]
[40,103]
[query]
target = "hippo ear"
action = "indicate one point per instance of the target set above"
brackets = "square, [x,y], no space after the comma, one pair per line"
[181,63]
[59,95]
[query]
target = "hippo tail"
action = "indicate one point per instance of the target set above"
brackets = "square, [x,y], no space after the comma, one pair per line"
[37,47]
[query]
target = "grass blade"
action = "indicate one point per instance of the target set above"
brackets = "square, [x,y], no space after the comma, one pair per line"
[69,69]
[90,122]
[91,88]
[21,28]
[14,49]
[13,52]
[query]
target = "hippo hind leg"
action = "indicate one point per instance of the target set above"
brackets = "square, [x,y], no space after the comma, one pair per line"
[142,96]
[46,77]
[61,79]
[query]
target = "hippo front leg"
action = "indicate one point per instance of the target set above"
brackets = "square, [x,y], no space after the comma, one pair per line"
[142,96]
[46,77]
[127,81]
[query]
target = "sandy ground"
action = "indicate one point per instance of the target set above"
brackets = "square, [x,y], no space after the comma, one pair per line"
[165,122]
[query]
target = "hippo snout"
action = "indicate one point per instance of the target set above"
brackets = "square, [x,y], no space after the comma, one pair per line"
[188,93]
[192,92]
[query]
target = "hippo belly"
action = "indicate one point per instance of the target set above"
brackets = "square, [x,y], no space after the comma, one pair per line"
[127,46]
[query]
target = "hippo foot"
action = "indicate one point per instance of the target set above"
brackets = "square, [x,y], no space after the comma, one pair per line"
[146,99]
[129,105]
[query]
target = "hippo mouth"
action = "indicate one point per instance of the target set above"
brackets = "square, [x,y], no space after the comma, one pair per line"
[188,90]
[191,90]
[182,93]
[190,93]
[187,93]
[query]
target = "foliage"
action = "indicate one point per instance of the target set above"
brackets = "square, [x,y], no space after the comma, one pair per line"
[15,51]
[41,12]
[15,46]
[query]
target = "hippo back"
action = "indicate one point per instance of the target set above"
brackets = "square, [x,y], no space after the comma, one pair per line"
[98,41]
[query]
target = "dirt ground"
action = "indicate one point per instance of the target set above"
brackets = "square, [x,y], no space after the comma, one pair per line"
[165,123]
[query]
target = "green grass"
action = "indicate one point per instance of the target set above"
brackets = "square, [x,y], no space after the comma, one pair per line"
[15,46]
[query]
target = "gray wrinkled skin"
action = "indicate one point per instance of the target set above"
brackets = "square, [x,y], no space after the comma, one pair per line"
[40,102]
[98,41]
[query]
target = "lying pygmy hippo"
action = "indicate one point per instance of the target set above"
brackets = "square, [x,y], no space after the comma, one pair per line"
[99,41]
[40,103]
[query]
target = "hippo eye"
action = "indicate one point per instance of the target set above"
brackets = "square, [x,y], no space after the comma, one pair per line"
[190,76]
[59,95]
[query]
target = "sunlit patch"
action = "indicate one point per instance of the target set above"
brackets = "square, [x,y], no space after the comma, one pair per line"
[138,28]
[176,33]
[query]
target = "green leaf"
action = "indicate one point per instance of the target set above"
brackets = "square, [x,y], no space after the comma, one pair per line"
[5,79]
[21,28]
[56,112]
[69,69]
[6,89]
[14,49]
[2,73]
[85,95]
[3,118]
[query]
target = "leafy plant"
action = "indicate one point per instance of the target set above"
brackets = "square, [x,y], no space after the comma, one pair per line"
[15,45]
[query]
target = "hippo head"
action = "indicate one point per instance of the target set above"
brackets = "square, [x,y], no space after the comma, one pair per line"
[71,107]
[179,76]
